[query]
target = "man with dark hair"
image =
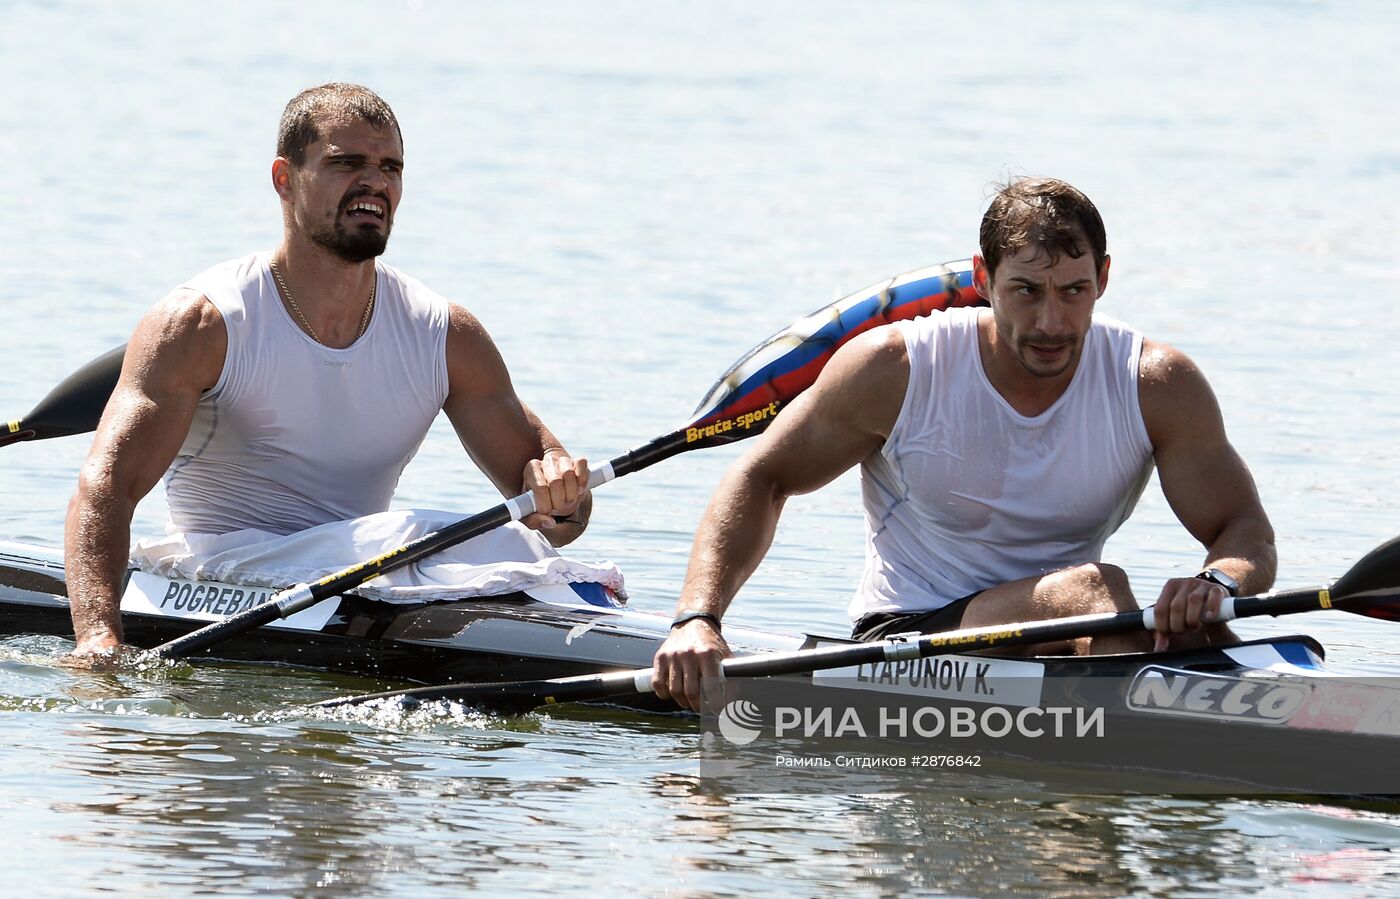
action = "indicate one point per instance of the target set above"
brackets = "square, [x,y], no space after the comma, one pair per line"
[307,112]
[288,389]
[999,449]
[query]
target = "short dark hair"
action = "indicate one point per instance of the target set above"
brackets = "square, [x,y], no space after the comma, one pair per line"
[1045,213]
[309,109]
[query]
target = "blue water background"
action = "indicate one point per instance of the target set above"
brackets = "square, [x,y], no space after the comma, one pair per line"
[630,195]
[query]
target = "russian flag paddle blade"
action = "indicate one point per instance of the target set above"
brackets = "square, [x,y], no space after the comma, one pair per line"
[750,394]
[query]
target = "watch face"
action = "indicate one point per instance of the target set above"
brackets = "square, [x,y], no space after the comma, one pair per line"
[1216,576]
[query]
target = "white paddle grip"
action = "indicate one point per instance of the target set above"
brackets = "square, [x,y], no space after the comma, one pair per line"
[599,476]
[524,504]
[520,506]
[1227,613]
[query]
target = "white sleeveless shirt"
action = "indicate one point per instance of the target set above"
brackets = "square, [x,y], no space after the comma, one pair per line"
[295,434]
[967,493]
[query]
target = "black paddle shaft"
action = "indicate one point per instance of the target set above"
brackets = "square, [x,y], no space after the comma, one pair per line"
[524,695]
[294,599]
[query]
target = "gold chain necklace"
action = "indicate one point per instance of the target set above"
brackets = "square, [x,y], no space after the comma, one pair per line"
[364,319]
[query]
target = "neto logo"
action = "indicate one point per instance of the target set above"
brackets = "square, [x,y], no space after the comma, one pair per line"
[1175,692]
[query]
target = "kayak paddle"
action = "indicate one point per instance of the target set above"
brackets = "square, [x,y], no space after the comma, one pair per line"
[1371,587]
[72,407]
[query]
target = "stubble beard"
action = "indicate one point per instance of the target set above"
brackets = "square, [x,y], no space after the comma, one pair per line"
[1028,361]
[352,246]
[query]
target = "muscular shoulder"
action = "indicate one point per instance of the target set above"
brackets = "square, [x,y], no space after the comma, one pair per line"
[467,339]
[462,325]
[867,378]
[1163,368]
[474,364]
[181,339]
[187,312]
[1173,392]
[874,356]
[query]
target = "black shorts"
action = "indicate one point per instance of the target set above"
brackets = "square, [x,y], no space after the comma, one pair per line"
[879,625]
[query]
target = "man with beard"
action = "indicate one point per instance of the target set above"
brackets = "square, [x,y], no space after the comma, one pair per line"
[999,449]
[289,389]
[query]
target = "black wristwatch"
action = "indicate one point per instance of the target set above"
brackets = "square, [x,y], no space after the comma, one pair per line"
[693,614]
[1216,576]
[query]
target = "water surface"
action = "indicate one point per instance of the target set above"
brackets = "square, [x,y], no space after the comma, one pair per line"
[630,195]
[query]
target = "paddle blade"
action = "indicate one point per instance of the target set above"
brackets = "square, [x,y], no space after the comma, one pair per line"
[1372,586]
[750,394]
[74,406]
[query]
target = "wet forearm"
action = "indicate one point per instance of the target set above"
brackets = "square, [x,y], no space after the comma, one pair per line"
[96,548]
[1245,551]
